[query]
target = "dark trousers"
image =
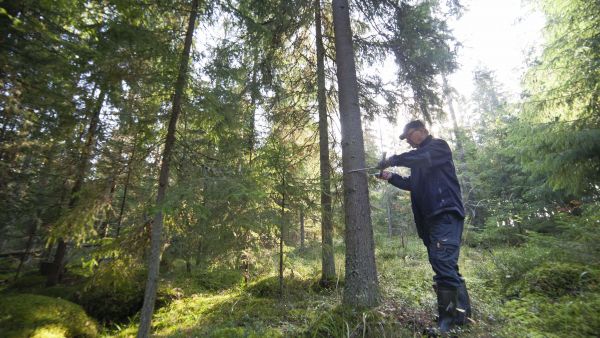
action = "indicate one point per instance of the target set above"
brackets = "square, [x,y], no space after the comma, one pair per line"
[444,232]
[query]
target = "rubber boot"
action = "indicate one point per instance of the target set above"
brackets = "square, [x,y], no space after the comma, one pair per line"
[463,309]
[447,299]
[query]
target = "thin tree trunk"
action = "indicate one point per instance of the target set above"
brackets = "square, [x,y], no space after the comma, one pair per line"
[281,236]
[361,285]
[105,227]
[328,274]
[157,225]
[388,209]
[462,164]
[126,187]
[31,234]
[302,230]
[457,136]
[82,167]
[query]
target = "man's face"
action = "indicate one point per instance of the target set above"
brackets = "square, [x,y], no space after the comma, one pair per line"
[415,136]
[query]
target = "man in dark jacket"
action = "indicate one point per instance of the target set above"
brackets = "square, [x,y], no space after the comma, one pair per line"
[439,214]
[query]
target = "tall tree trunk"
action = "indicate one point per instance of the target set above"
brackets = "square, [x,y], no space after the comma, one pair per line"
[82,167]
[328,275]
[157,225]
[361,285]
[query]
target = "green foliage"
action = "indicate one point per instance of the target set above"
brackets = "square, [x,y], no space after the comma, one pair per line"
[27,315]
[34,283]
[560,130]
[418,37]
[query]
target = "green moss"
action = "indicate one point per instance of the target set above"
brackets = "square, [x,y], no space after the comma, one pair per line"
[540,316]
[28,315]
[555,279]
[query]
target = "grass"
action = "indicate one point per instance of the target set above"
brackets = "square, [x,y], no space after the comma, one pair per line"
[256,310]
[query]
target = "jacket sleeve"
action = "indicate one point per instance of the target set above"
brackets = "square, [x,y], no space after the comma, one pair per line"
[436,153]
[400,182]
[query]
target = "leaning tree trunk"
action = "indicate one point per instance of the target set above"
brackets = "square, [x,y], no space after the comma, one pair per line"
[157,225]
[327,258]
[361,286]
[57,266]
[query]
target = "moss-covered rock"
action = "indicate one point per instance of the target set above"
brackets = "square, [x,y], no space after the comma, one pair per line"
[556,279]
[27,315]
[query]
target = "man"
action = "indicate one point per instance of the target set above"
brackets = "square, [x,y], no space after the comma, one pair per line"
[439,215]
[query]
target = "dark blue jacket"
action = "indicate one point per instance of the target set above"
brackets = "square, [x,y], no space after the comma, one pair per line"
[432,183]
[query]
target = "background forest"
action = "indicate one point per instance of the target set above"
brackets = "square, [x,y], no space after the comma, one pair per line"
[175,168]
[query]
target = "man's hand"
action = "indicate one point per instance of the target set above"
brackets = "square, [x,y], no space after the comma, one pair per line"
[383,164]
[385,175]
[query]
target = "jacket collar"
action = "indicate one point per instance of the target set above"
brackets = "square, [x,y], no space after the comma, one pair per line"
[425,141]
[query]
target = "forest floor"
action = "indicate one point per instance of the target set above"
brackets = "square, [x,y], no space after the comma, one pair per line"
[215,302]
[208,306]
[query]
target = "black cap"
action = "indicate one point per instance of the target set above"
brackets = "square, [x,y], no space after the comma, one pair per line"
[416,124]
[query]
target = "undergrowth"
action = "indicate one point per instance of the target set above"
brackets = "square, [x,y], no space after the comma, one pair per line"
[546,284]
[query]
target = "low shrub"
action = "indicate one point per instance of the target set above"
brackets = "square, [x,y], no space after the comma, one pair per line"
[511,265]
[27,315]
[115,292]
[493,236]
[218,279]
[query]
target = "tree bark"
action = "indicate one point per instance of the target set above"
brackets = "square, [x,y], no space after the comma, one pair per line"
[157,225]
[328,274]
[361,285]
